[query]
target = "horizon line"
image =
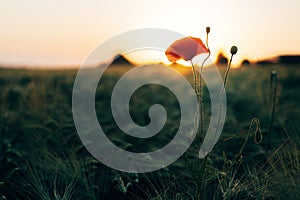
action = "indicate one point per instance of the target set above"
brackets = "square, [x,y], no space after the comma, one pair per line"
[77,64]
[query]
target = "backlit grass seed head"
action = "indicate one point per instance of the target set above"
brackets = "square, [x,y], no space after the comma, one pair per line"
[273,74]
[273,78]
[233,50]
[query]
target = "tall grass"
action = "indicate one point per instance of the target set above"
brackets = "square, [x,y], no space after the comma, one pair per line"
[41,156]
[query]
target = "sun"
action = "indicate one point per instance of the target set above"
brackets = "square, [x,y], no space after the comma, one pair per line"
[197,60]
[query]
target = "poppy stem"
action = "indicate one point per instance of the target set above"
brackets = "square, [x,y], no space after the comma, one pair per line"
[227,71]
[207,41]
[233,51]
[195,80]
[201,96]
[238,157]
[201,107]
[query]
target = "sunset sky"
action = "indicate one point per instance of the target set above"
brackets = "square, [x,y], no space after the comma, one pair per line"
[64,32]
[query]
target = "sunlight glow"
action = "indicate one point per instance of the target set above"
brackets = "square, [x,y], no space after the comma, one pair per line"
[32,33]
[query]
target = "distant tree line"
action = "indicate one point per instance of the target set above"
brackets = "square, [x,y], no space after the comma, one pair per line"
[283,59]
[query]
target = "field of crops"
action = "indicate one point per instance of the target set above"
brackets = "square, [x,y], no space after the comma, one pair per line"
[42,157]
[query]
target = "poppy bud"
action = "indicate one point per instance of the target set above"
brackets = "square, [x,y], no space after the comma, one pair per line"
[207,30]
[258,136]
[233,50]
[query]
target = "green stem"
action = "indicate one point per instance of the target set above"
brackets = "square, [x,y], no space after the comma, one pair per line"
[201,107]
[200,103]
[257,123]
[273,107]
[196,80]
[227,71]
[201,174]
[195,83]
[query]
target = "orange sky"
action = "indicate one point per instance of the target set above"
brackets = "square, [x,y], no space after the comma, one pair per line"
[60,32]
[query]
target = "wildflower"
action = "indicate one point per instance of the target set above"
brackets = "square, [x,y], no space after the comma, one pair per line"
[186,48]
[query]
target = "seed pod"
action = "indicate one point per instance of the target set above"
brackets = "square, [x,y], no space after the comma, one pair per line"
[233,50]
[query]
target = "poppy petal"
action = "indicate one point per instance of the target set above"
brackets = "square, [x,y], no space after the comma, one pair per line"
[185,48]
[172,57]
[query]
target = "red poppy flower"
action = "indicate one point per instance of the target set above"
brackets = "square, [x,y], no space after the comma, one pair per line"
[185,48]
